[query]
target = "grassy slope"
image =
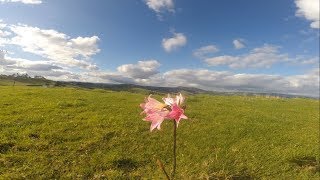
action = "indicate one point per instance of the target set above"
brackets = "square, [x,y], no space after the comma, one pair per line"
[8,82]
[77,133]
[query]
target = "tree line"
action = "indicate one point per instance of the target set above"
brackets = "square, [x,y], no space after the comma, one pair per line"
[17,76]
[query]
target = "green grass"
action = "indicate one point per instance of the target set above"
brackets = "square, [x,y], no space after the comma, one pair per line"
[9,82]
[69,133]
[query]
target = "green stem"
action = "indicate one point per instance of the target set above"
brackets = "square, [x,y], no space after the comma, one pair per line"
[174,148]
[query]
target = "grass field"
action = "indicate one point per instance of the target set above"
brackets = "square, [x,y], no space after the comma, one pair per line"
[69,133]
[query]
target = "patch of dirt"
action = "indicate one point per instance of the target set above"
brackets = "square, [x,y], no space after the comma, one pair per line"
[308,163]
[5,147]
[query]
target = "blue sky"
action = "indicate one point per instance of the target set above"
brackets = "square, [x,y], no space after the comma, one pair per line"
[264,46]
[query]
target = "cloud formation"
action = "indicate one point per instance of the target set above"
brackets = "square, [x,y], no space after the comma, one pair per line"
[205,51]
[3,33]
[309,9]
[141,70]
[23,1]
[57,56]
[160,5]
[178,40]
[9,65]
[307,84]
[2,54]
[261,57]
[23,64]
[147,73]
[55,46]
[307,61]
[238,43]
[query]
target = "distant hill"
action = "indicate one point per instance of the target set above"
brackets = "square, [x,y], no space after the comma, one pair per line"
[128,87]
[164,90]
[25,79]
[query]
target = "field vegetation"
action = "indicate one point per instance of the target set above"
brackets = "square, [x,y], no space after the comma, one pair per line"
[78,133]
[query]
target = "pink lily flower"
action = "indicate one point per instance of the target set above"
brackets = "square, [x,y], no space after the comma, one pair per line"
[156,119]
[151,105]
[179,99]
[170,101]
[177,113]
[155,111]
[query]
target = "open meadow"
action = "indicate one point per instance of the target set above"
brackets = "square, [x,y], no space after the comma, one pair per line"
[77,133]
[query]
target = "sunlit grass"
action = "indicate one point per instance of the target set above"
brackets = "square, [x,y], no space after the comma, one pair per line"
[80,133]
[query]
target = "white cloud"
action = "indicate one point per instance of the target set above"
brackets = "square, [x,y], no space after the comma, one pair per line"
[23,64]
[307,84]
[56,46]
[2,24]
[9,65]
[23,1]
[300,60]
[4,33]
[304,84]
[160,5]
[3,41]
[141,70]
[130,73]
[86,46]
[313,60]
[2,54]
[221,60]
[205,51]
[60,57]
[18,64]
[309,9]
[4,60]
[116,78]
[175,42]
[262,57]
[238,43]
